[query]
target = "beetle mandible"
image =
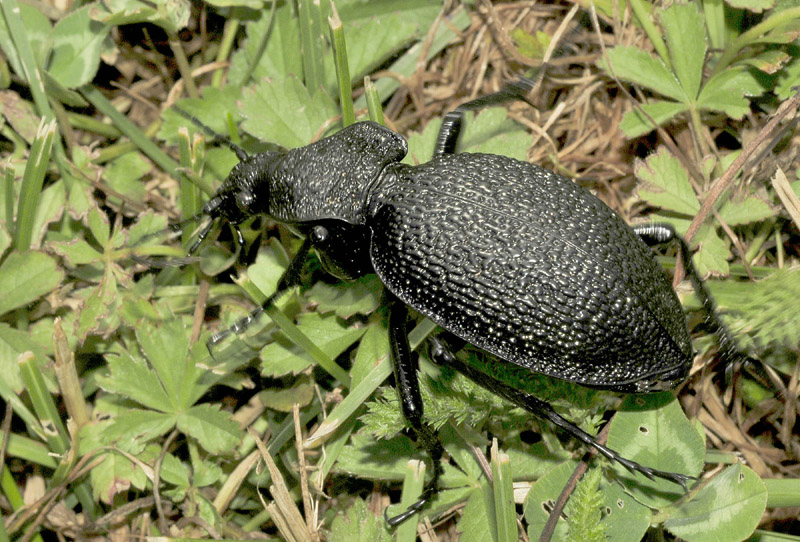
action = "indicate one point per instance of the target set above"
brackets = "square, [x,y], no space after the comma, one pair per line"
[505,255]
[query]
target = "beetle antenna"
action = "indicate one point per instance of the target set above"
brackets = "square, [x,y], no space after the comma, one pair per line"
[172,231]
[241,154]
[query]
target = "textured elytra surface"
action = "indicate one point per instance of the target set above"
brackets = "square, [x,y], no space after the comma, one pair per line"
[529,266]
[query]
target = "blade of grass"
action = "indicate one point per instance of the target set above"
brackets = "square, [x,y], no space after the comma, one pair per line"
[342,68]
[310,38]
[191,160]
[373,101]
[413,483]
[358,395]
[298,337]
[641,12]
[67,376]
[11,491]
[8,176]
[504,509]
[96,98]
[11,12]
[407,64]
[32,181]
[183,65]
[226,44]
[30,450]
[54,431]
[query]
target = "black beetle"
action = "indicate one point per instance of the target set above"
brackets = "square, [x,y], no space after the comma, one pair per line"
[512,258]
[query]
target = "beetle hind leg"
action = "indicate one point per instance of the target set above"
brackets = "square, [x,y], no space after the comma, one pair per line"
[662,234]
[441,353]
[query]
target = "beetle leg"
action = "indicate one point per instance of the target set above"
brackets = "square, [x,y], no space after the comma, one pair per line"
[407,384]
[441,354]
[290,278]
[661,234]
[451,123]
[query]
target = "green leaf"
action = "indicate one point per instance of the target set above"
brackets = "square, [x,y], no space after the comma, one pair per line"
[373,349]
[147,223]
[5,239]
[762,315]
[123,174]
[94,313]
[284,397]
[653,431]
[685,35]
[76,252]
[285,112]
[77,41]
[358,524]
[375,34]
[174,471]
[752,5]
[37,29]
[118,473]
[132,428]
[626,519]
[584,509]
[25,277]
[750,209]
[529,45]
[214,430]
[541,499]
[252,4]
[361,296]
[49,209]
[99,226]
[214,110]
[131,377]
[787,80]
[478,523]
[13,343]
[728,508]
[279,56]
[20,114]
[726,92]
[665,183]
[167,349]
[770,61]
[376,460]
[270,265]
[637,66]
[171,15]
[635,122]
[328,332]
[712,256]
[492,132]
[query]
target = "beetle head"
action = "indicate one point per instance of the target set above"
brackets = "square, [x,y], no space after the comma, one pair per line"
[245,193]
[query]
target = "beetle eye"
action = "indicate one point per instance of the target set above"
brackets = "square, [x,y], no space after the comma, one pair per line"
[244,200]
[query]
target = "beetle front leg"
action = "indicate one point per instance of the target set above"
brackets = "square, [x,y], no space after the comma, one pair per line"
[290,278]
[407,384]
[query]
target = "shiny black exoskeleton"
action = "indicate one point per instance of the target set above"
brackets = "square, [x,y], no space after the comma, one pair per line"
[502,254]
